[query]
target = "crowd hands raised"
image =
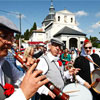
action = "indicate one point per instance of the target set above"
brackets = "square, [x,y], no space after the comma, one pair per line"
[37,58]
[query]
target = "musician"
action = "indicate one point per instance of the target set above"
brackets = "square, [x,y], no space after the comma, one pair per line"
[9,73]
[29,52]
[49,64]
[40,51]
[86,66]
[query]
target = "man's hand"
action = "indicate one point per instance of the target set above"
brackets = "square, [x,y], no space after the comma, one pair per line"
[29,61]
[73,71]
[86,84]
[32,81]
[51,94]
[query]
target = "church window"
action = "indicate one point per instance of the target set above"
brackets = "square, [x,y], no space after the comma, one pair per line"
[64,44]
[71,20]
[65,19]
[81,42]
[58,18]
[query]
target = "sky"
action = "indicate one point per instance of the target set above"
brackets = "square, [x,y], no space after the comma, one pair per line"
[87,13]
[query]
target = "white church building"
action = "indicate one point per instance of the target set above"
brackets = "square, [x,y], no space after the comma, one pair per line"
[62,25]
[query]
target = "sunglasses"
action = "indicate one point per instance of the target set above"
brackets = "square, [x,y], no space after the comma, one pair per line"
[88,47]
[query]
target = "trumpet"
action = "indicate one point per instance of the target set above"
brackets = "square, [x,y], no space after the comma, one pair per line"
[49,85]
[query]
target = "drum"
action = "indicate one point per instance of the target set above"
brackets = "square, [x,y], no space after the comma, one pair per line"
[77,92]
[94,76]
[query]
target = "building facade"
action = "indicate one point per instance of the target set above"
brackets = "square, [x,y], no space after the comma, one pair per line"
[63,25]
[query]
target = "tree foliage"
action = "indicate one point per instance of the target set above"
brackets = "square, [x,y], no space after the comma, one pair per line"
[94,41]
[17,36]
[34,27]
[27,33]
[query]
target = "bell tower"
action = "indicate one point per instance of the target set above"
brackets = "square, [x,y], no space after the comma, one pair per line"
[51,9]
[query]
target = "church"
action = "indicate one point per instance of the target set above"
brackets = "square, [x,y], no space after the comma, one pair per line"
[62,25]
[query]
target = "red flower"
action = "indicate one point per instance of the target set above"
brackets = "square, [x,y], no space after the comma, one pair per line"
[93,51]
[60,63]
[9,89]
[66,62]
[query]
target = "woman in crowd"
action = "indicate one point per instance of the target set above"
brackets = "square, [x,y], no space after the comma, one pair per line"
[73,55]
[86,66]
[65,57]
[29,52]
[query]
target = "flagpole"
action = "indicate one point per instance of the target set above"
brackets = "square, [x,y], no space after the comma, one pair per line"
[20,31]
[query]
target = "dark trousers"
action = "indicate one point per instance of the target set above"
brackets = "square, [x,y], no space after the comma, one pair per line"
[44,97]
[36,97]
[95,95]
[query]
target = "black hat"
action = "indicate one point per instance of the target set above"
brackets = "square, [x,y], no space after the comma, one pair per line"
[57,41]
[8,24]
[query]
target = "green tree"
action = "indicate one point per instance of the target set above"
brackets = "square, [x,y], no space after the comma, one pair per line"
[34,27]
[22,36]
[94,41]
[98,46]
[17,36]
[26,34]
[29,32]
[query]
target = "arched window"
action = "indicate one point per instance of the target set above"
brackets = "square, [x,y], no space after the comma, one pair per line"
[65,19]
[71,20]
[58,18]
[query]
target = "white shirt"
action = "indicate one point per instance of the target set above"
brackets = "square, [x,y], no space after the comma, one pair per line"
[17,95]
[18,76]
[42,65]
[74,56]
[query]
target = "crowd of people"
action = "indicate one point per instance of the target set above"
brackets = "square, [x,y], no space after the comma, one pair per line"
[45,62]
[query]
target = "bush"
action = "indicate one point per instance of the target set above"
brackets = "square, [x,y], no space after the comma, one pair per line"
[98,46]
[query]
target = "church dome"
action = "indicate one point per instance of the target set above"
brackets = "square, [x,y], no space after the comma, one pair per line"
[50,16]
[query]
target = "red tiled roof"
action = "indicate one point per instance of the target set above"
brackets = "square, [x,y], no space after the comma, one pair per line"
[38,30]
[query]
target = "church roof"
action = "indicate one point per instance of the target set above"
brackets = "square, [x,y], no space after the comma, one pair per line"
[38,30]
[68,31]
[51,15]
[49,18]
[65,12]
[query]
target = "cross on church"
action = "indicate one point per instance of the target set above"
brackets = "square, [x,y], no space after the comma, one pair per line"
[51,2]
